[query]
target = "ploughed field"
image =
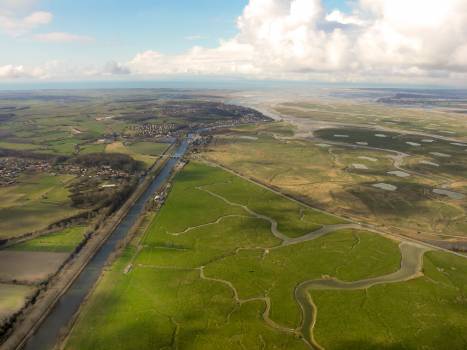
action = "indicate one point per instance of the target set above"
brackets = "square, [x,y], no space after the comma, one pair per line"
[25,266]
[229,264]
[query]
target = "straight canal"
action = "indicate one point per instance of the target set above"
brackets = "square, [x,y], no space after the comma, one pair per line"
[47,334]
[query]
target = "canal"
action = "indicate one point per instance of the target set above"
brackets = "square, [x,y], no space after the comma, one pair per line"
[48,333]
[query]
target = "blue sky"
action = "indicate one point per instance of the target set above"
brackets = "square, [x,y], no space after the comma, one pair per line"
[346,41]
[123,28]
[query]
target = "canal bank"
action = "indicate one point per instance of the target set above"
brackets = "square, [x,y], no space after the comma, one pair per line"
[43,330]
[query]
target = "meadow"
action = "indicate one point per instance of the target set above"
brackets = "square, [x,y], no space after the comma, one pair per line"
[65,240]
[334,174]
[12,299]
[209,272]
[120,147]
[149,148]
[34,203]
[428,312]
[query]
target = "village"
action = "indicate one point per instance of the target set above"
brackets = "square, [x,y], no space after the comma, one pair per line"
[13,167]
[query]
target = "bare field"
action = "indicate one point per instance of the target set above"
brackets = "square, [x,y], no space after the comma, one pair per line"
[29,267]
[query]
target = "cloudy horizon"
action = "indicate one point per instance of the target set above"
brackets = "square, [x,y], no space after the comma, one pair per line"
[356,42]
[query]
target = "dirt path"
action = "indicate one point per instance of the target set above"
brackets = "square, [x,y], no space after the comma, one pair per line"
[218,221]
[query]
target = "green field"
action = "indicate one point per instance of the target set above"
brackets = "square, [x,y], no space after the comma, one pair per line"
[62,241]
[12,298]
[119,147]
[34,203]
[206,269]
[149,148]
[426,313]
[340,179]
[18,146]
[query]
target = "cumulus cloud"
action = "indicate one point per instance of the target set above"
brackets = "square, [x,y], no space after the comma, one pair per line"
[115,68]
[14,72]
[62,37]
[342,18]
[297,39]
[377,41]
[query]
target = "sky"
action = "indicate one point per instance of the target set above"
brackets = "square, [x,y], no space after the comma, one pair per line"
[331,41]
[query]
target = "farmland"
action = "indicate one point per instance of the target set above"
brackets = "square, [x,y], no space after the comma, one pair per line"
[227,277]
[62,241]
[33,203]
[272,235]
[12,298]
[146,152]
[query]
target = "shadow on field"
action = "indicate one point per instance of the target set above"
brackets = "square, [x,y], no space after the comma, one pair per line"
[367,345]
[431,337]
[403,201]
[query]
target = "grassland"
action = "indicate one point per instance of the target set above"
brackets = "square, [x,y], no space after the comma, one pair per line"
[197,282]
[209,273]
[426,313]
[34,203]
[119,147]
[12,298]
[62,241]
[330,175]
[149,148]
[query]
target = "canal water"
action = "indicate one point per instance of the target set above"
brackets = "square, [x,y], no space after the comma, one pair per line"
[47,335]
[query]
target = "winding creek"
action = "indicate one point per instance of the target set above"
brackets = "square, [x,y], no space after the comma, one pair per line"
[50,330]
[411,267]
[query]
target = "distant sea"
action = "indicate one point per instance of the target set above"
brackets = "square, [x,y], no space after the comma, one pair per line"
[192,84]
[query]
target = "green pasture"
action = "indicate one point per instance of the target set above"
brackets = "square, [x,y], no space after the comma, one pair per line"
[12,298]
[65,240]
[34,203]
[154,296]
[149,148]
[425,313]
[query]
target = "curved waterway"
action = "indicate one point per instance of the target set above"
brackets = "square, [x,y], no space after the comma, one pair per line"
[411,267]
[48,333]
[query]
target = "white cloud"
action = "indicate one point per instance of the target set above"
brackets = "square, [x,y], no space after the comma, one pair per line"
[17,5]
[14,72]
[115,68]
[62,37]
[342,18]
[14,26]
[415,41]
[380,39]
